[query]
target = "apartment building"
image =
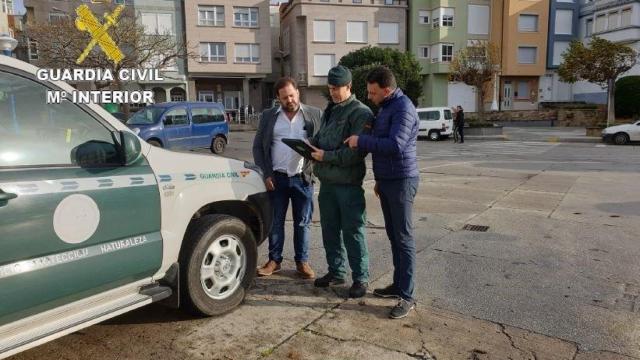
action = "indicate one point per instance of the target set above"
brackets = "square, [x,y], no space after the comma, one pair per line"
[614,20]
[438,29]
[165,17]
[520,29]
[6,8]
[563,28]
[234,44]
[317,33]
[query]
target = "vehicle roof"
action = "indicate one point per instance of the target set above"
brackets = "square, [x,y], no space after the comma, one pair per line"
[433,108]
[189,103]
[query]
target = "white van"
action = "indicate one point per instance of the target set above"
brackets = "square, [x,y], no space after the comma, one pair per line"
[435,122]
[95,222]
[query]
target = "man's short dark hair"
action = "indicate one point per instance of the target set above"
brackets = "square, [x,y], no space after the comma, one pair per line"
[382,76]
[282,83]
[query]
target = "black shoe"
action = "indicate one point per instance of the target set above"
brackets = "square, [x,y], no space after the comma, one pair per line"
[402,309]
[327,280]
[358,289]
[388,292]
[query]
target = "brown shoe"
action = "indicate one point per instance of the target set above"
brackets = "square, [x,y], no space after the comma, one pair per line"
[305,271]
[269,268]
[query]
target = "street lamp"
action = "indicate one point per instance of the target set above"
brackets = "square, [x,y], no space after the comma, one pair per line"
[7,44]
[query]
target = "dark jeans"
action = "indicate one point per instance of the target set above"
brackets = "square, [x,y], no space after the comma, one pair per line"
[300,193]
[461,132]
[396,197]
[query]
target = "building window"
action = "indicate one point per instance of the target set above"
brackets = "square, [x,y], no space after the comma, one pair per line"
[478,20]
[57,17]
[157,24]
[388,33]
[213,52]
[436,22]
[33,50]
[589,27]
[447,20]
[601,23]
[322,63]
[447,53]
[559,47]
[528,23]
[423,16]
[357,32]
[423,52]
[564,22]
[247,53]
[286,40]
[626,17]
[522,91]
[206,96]
[527,54]
[389,2]
[245,17]
[324,31]
[357,1]
[613,20]
[211,15]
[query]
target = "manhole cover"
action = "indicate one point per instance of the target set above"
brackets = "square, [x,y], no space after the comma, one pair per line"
[480,228]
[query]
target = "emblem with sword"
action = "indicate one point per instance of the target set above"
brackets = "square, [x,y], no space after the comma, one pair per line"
[86,21]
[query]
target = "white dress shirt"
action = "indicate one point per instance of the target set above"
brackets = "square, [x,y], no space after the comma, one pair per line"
[283,157]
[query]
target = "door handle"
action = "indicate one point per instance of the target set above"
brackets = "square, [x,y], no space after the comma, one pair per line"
[7,196]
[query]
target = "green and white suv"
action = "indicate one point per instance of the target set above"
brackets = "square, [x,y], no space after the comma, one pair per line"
[95,222]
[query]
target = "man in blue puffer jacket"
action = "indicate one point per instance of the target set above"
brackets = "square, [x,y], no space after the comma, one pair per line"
[395,168]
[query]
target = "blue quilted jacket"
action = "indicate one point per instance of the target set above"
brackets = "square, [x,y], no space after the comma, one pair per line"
[393,140]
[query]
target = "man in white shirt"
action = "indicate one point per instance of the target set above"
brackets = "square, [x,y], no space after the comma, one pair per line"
[288,176]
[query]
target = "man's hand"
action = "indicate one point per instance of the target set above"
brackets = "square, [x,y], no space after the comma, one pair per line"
[352,141]
[317,154]
[270,184]
[376,190]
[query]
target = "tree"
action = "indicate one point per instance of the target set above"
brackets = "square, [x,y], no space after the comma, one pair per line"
[60,44]
[476,66]
[627,96]
[403,64]
[601,62]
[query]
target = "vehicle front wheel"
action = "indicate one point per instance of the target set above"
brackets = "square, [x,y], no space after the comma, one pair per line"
[155,143]
[218,144]
[218,262]
[621,139]
[434,135]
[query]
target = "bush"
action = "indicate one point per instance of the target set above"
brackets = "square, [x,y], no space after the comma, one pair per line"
[627,96]
[403,64]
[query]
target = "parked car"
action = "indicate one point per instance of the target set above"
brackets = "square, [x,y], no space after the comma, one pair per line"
[120,116]
[183,125]
[95,222]
[622,134]
[435,122]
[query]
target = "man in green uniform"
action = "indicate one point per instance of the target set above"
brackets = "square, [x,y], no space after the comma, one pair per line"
[340,171]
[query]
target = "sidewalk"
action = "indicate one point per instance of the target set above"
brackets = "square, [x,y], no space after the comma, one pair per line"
[548,134]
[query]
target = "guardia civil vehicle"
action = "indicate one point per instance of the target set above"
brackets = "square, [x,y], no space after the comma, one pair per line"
[95,222]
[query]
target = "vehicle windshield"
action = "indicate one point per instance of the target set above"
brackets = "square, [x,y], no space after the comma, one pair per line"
[147,116]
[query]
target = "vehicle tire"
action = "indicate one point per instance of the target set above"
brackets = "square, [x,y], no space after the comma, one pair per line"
[218,144]
[155,143]
[621,139]
[217,264]
[434,135]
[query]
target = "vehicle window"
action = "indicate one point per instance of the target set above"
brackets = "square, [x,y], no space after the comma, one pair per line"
[205,115]
[35,133]
[146,116]
[176,117]
[447,115]
[429,115]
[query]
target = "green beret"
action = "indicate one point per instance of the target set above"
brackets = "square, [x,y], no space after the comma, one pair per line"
[339,76]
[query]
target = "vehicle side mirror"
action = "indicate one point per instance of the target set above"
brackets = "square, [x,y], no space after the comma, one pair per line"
[95,153]
[130,148]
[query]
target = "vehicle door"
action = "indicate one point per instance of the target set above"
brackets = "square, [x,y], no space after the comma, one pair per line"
[448,119]
[634,132]
[208,121]
[74,221]
[177,129]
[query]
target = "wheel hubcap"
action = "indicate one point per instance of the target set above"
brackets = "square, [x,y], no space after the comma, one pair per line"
[223,267]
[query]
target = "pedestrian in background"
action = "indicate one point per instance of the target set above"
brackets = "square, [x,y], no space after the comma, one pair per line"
[460,116]
[395,168]
[288,176]
[341,198]
[454,112]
